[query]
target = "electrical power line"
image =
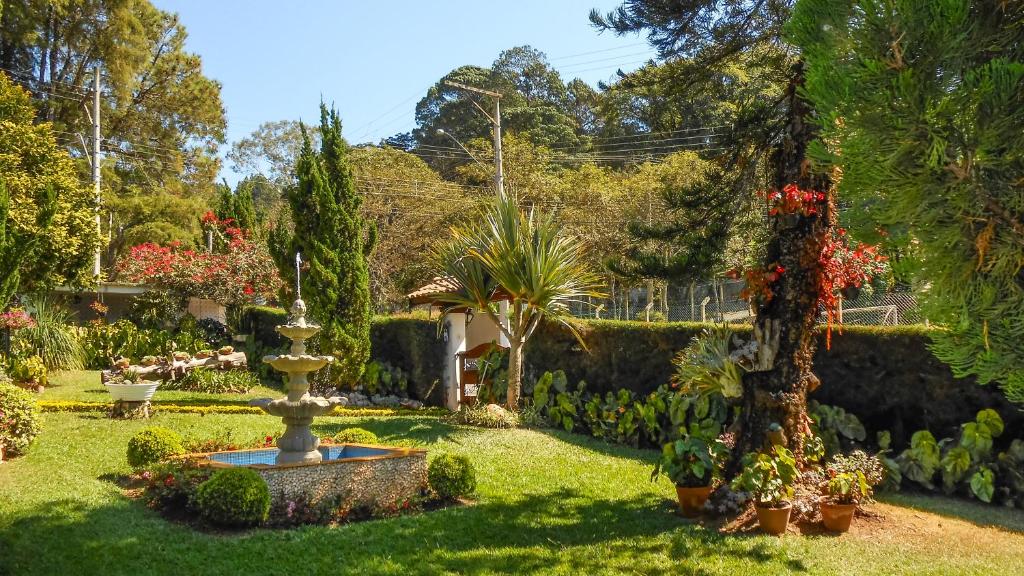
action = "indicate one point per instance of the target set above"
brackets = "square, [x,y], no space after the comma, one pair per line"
[570,56]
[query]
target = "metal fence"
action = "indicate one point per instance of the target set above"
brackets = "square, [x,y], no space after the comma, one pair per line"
[720,302]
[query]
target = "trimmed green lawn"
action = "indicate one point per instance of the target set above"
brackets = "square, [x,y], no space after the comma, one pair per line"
[549,503]
[85,386]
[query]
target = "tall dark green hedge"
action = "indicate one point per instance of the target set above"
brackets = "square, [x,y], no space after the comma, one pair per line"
[884,375]
[411,344]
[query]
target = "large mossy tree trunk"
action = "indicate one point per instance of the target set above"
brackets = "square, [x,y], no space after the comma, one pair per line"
[776,392]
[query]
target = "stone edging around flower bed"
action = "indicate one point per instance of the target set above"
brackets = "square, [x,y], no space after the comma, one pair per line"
[233,408]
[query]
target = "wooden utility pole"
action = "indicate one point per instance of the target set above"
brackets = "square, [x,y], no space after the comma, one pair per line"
[96,158]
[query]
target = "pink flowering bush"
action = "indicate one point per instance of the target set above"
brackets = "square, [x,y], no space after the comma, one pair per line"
[16,319]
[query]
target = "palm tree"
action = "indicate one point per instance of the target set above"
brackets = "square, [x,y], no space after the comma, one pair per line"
[522,258]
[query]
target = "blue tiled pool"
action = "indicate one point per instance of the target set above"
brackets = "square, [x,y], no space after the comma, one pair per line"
[267,457]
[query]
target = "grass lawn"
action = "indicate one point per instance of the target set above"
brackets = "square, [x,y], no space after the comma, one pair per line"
[549,502]
[84,386]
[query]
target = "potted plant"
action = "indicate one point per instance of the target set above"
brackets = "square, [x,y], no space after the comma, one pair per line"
[204,354]
[849,480]
[130,387]
[226,350]
[769,478]
[182,356]
[692,463]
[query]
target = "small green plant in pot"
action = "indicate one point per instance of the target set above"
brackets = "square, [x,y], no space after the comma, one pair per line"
[849,480]
[692,463]
[769,478]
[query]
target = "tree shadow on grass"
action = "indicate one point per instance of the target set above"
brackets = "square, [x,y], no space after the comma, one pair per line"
[647,456]
[560,531]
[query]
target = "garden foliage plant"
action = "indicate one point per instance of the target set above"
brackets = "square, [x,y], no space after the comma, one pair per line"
[850,479]
[692,461]
[153,445]
[355,435]
[19,420]
[234,497]
[524,258]
[52,337]
[451,476]
[768,476]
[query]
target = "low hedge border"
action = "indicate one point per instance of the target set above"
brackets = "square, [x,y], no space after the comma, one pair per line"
[76,406]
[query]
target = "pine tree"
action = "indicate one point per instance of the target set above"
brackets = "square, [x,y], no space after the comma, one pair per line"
[335,242]
[771,136]
[922,105]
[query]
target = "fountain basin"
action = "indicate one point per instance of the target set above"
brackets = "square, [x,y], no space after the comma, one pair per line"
[297,364]
[358,474]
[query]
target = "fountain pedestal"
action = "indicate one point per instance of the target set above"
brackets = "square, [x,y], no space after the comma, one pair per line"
[298,408]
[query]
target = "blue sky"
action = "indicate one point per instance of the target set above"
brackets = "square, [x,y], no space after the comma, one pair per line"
[375,60]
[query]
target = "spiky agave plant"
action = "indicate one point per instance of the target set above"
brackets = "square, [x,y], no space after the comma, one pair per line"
[523,258]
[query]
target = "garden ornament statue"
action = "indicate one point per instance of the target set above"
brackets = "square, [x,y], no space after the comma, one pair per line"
[298,408]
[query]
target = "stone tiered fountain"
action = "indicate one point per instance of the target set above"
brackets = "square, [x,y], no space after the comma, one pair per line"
[298,408]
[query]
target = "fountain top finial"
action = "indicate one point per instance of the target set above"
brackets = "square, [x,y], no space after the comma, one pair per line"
[298,313]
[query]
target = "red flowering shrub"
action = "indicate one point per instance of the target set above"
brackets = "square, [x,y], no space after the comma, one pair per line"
[240,272]
[844,266]
[758,289]
[792,200]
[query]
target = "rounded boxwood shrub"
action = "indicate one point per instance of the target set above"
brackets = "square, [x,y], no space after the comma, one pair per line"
[355,436]
[19,422]
[153,445]
[234,497]
[451,476]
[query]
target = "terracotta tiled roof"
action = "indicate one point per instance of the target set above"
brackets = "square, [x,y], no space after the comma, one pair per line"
[439,285]
[444,285]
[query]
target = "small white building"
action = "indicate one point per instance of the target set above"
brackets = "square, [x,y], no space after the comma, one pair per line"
[117,297]
[467,334]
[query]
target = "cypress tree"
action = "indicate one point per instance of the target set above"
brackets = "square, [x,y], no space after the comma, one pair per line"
[334,241]
[768,136]
[238,205]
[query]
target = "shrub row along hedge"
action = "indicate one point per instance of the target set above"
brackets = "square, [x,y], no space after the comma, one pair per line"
[884,375]
[408,343]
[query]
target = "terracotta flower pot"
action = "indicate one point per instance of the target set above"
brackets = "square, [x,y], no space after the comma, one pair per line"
[774,520]
[691,500]
[837,517]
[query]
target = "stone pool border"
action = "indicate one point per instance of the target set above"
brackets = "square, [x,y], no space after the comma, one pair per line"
[382,480]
